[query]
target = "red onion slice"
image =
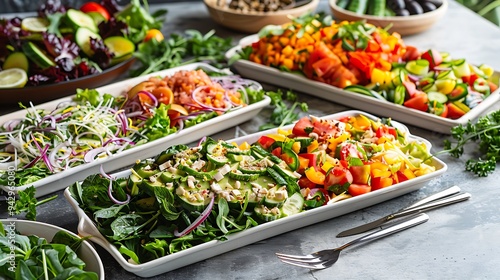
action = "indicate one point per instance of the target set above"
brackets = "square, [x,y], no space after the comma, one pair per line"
[110,188]
[203,216]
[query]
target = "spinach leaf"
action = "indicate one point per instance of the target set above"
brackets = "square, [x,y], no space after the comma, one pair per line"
[126,225]
[165,199]
[222,214]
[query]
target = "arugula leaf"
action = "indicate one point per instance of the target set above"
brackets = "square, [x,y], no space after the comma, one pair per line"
[486,131]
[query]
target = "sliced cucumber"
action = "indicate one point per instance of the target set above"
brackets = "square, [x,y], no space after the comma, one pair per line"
[78,19]
[276,197]
[36,55]
[243,176]
[121,47]
[437,96]
[82,38]
[293,205]
[97,17]
[16,60]
[265,214]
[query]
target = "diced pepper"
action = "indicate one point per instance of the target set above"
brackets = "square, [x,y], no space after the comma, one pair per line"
[315,176]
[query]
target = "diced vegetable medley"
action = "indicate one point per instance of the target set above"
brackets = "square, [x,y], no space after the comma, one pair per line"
[366,59]
[190,195]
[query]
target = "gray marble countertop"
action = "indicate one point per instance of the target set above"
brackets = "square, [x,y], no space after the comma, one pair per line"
[458,242]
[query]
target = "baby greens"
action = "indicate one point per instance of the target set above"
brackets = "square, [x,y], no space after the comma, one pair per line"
[37,258]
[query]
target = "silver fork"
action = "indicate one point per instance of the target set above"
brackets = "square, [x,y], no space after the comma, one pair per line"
[326,258]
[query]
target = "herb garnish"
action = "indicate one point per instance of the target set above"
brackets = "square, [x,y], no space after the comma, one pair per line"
[154,56]
[486,131]
[282,113]
[26,202]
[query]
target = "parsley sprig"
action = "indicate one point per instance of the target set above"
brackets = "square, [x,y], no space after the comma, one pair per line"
[26,202]
[486,131]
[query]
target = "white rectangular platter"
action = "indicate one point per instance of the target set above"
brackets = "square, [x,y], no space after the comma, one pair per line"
[262,231]
[383,108]
[59,181]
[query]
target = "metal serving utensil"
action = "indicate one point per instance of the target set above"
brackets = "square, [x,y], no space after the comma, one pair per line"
[326,258]
[440,199]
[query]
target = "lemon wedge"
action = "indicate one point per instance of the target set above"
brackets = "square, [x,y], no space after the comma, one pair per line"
[13,78]
[35,24]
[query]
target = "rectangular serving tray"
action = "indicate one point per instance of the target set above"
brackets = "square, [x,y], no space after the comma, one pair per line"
[382,108]
[213,248]
[59,181]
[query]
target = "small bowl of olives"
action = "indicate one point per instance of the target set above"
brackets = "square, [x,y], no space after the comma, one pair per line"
[405,17]
[250,16]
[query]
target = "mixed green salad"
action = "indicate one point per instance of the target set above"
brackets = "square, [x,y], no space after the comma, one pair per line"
[37,258]
[62,43]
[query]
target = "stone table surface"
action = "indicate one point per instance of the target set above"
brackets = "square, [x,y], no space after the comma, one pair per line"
[460,241]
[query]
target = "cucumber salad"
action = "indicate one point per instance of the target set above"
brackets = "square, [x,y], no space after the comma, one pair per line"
[186,196]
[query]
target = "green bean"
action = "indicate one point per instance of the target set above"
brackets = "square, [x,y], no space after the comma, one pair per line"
[358,6]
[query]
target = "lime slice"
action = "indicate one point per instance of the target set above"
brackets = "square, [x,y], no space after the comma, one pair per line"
[35,24]
[13,78]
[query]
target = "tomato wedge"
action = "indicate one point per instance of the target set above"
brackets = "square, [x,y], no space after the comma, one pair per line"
[418,101]
[359,189]
[95,7]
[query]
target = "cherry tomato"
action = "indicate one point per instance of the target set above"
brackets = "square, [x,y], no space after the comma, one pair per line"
[303,127]
[153,34]
[95,7]
[358,189]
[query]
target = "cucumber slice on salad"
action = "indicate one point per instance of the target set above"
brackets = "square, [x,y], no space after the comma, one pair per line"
[437,96]
[293,205]
[82,38]
[121,47]
[36,55]
[78,19]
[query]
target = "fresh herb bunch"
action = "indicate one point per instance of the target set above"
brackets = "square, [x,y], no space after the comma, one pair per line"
[283,113]
[181,49]
[26,202]
[486,131]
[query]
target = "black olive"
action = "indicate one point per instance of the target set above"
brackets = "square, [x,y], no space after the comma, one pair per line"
[414,8]
[396,5]
[428,7]
[402,13]
[436,3]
